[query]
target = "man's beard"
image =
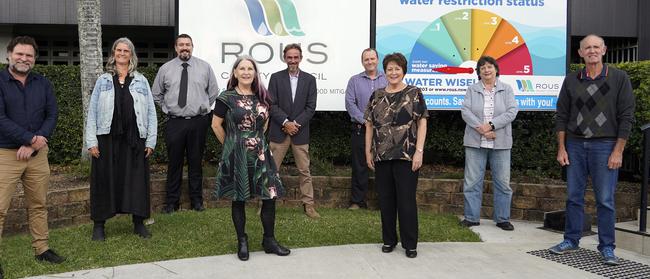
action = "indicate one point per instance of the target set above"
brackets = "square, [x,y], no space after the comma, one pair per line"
[185,56]
[21,68]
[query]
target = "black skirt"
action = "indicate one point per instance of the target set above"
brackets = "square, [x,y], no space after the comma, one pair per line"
[119,179]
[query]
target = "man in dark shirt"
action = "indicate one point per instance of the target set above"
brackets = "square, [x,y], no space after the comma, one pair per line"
[28,115]
[595,112]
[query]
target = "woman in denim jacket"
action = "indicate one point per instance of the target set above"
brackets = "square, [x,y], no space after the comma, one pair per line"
[121,132]
[488,110]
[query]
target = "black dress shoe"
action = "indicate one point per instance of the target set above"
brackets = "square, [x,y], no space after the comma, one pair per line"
[169,209]
[467,224]
[141,230]
[50,256]
[411,253]
[98,233]
[271,246]
[198,207]
[242,247]
[506,226]
[387,248]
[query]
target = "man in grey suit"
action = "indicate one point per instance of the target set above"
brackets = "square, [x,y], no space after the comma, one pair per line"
[293,94]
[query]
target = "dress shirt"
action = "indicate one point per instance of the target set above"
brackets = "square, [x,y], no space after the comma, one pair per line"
[488,112]
[294,84]
[25,111]
[293,79]
[358,92]
[202,88]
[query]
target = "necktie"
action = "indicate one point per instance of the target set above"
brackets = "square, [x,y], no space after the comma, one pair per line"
[182,94]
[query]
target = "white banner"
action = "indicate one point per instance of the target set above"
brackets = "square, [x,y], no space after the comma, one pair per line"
[332,35]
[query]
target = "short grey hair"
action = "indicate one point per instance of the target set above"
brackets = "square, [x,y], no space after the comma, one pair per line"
[602,41]
[133,63]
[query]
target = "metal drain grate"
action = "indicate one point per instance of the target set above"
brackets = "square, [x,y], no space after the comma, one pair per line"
[591,261]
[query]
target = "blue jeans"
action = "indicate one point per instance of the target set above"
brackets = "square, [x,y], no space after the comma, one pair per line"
[589,158]
[475,162]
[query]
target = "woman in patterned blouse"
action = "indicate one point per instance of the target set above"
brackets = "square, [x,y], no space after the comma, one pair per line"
[396,127]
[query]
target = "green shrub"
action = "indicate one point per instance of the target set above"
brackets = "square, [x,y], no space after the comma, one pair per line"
[534,139]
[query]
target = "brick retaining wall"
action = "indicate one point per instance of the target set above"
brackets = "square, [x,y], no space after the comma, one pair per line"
[530,201]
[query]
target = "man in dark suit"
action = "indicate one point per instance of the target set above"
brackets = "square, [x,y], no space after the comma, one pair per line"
[293,94]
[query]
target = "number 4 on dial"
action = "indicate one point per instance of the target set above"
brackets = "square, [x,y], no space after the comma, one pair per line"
[515,40]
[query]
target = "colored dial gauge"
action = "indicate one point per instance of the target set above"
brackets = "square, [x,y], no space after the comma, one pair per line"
[454,42]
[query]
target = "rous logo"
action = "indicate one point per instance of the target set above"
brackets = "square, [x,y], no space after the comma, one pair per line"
[274,17]
[524,85]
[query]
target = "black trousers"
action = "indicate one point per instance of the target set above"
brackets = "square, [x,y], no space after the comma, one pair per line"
[185,138]
[359,183]
[396,184]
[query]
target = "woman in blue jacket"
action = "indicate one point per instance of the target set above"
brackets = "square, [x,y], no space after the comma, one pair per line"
[488,110]
[121,132]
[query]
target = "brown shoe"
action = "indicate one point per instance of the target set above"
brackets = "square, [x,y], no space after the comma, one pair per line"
[354,206]
[310,211]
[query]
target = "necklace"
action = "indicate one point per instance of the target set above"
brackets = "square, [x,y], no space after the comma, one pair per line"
[244,92]
[395,90]
[121,80]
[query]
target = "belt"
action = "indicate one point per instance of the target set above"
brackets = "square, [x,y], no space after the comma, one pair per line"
[185,117]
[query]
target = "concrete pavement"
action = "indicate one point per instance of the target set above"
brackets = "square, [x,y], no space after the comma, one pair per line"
[501,255]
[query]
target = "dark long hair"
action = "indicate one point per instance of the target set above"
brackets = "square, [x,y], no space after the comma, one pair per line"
[258,88]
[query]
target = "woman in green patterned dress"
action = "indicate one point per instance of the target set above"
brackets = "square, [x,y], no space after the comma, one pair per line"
[246,169]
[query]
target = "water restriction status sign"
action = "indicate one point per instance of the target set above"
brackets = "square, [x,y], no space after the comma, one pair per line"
[443,40]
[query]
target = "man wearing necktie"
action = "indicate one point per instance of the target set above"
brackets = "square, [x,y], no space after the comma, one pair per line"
[293,97]
[185,89]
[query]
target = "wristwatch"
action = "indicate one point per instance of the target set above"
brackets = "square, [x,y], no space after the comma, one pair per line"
[492,125]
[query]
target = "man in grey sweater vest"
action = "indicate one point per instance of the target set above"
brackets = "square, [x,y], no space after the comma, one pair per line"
[595,112]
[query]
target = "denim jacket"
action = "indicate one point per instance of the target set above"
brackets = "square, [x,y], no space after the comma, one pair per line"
[505,111]
[100,111]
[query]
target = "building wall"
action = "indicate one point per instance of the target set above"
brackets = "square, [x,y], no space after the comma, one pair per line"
[644,30]
[605,17]
[58,44]
[114,12]
[6,33]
